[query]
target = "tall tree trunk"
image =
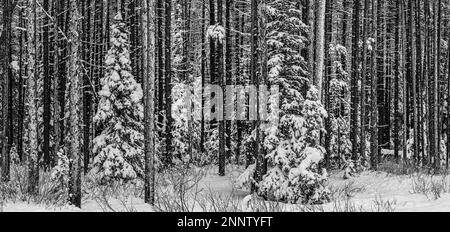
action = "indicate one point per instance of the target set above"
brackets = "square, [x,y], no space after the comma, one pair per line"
[374,96]
[364,73]
[168,80]
[261,86]
[228,72]
[437,73]
[47,85]
[32,159]
[397,114]
[328,72]
[448,108]
[87,86]
[354,80]
[320,47]
[238,71]
[420,77]
[413,64]
[312,30]
[21,89]
[220,82]
[74,104]
[203,74]
[255,82]
[427,83]
[148,54]
[6,136]
[405,83]
[160,58]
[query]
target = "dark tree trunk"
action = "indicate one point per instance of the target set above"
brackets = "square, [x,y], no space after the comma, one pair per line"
[46,87]
[160,60]
[354,79]
[221,83]
[7,128]
[168,80]
[203,74]
[374,89]
[228,72]
[397,114]
[255,81]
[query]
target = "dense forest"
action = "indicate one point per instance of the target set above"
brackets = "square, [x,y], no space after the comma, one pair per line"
[98,89]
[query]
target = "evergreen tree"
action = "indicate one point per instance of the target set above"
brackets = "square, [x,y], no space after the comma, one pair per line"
[339,110]
[293,147]
[119,147]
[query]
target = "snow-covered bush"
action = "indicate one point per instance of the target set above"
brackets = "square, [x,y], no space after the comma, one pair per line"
[119,147]
[60,173]
[216,32]
[186,129]
[211,148]
[178,187]
[246,179]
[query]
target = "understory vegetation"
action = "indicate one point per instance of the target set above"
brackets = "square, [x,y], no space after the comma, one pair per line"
[182,190]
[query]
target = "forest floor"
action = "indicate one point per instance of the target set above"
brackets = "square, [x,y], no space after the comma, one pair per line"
[380,191]
[369,191]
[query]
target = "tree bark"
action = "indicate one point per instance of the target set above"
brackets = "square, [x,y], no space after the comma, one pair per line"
[7,136]
[32,159]
[374,89]
[148,54]
[220,81]
[320,47]
[354,80]
[47,85]
[168,80]
[74,103]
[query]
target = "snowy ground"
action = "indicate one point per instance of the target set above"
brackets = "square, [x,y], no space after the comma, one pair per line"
[387,188]
[370,191]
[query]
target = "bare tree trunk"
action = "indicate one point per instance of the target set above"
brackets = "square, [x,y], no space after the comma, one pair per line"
[203,74]
[448,111]
[148,54]
[74,104]
[220,81]
[21,89]
[33,167]
[374,96]
[254,81]
[414,77]
[397,114]
[354,80]
[320,47]
[364,73]
[6,137]
[437,69]
[427,71]
[239,79]
[311,46]
[405,81]
[261,84]
[168,80]
[328,74]
[46,87]
[161,60]
[87,87]
[228,72]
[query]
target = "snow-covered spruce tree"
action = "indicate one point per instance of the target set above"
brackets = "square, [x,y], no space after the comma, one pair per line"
[119,148]
[292,145]
[185,128]
[339,112]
